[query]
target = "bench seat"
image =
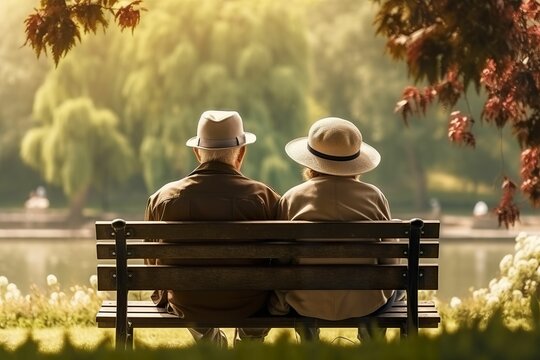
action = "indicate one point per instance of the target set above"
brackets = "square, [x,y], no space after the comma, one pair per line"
[144,314]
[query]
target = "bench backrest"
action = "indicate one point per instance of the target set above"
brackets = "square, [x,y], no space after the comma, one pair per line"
[266,239]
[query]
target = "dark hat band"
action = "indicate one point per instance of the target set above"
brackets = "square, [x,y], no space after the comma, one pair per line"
[332,157]
[222,143]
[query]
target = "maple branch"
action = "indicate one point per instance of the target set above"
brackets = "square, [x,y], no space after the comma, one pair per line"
[56,24]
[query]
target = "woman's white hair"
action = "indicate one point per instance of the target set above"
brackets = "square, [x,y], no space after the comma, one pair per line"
[227,156]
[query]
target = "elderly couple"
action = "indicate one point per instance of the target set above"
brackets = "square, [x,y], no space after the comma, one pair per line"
[333,155]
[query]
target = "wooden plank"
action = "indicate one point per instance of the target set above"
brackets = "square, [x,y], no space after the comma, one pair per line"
[149,303]
[165,320]
[263,249]
[308,277]
[156,310]
[269,230]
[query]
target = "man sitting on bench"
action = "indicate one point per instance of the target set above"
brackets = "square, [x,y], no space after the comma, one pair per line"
[216,190]
[334,155]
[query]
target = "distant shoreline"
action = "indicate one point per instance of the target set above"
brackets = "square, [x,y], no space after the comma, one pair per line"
[51,224]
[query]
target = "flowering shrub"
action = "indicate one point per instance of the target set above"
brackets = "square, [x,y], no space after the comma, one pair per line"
[510,295]
[49,308]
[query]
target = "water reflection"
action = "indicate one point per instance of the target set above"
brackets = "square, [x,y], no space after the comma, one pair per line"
[469,263]
[463,263]
[29,261]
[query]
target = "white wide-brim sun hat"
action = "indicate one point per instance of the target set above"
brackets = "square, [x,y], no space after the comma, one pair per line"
[334,146]
[218,130]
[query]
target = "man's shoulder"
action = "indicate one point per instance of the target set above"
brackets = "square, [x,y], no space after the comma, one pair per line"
[170,190]
[258,184]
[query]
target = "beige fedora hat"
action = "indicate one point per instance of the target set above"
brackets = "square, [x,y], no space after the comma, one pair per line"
[220,130]
[334,146]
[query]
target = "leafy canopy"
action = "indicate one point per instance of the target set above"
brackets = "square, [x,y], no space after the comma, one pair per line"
[492,45]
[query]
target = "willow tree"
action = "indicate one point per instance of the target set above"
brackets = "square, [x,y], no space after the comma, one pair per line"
[20,76]
[186,57]
[77,148]
[192,55]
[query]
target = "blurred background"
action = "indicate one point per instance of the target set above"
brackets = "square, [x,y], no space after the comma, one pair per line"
[93,137]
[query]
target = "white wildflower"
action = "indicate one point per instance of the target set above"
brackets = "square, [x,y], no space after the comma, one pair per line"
[520,255]
[80,298]
[506,263]
[13,294]
[500,287]
[517,295]
[533,265]
[93,280]
[3,281]
[521,236]
[53,299]
[51,280]
[492,299]
[11,287]
[477,294]
[455,302]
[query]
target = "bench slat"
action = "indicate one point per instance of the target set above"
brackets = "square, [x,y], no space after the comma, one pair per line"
[308,277]
[239,230]
[155,309]
[260,250]
[164,320]
[150,303]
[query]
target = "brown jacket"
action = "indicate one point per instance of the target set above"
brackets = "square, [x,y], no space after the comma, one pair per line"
[332,198]
[213,191]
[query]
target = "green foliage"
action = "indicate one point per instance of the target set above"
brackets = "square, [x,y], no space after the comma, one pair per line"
[490,343]
[20,75]
[252,58]
[54,307]
[282,64]
[81,147]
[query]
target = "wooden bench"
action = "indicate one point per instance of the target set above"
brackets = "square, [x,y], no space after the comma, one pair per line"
[121,241]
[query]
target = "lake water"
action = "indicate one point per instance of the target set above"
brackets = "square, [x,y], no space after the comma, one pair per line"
[463,263]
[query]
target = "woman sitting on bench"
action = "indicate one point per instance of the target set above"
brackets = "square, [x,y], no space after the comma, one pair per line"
[334,155]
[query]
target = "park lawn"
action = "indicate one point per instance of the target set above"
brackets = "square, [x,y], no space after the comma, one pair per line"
[51,340]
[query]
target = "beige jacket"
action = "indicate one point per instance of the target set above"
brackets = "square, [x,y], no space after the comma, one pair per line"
[213,191]
[332,198]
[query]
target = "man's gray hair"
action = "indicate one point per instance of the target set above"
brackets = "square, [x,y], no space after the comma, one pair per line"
[227,156]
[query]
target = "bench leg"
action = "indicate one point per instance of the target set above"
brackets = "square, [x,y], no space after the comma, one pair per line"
[129,339]
[403,331]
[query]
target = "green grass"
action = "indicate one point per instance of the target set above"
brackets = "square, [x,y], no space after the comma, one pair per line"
[495,341]
[52,340]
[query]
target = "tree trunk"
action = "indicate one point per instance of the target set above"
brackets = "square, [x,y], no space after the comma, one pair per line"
[76,205]
[418,176]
